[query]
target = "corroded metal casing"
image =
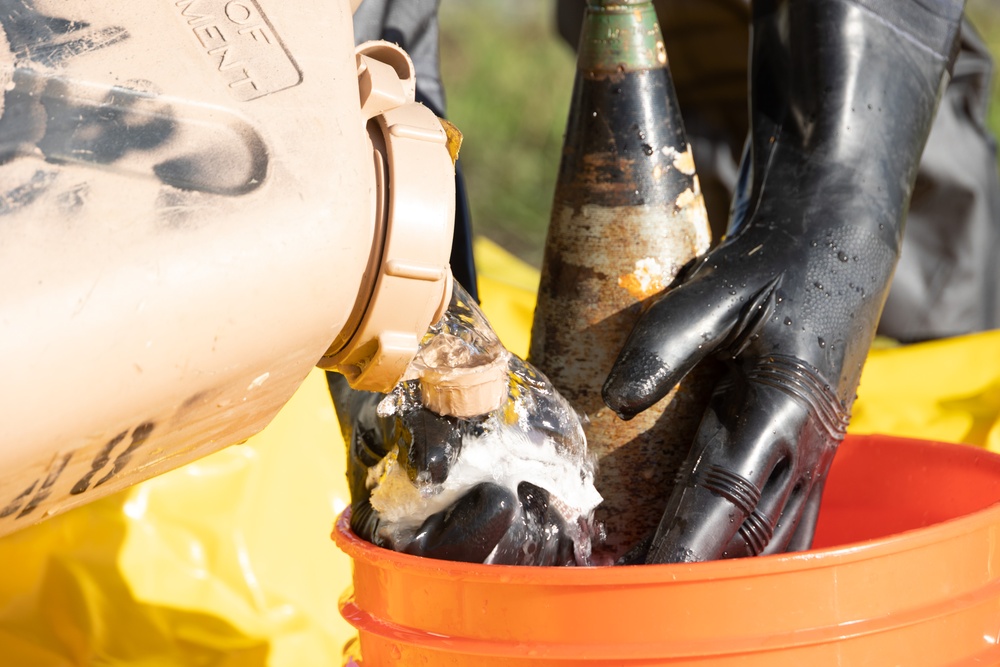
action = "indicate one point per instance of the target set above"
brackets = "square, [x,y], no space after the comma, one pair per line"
[627,215]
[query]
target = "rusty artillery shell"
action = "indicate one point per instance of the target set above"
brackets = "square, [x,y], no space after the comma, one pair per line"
[627,215]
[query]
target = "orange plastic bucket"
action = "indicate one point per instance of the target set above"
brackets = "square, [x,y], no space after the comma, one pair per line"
[906,571]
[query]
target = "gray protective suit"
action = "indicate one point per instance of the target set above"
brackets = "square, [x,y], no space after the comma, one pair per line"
[948,279]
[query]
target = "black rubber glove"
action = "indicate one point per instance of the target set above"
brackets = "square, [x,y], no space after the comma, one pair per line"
[512,486]
[489,522]
[842,100]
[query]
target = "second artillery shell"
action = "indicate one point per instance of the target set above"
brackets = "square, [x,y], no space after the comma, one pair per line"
[627,215]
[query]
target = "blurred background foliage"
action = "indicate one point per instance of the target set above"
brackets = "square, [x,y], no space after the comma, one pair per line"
[508,78]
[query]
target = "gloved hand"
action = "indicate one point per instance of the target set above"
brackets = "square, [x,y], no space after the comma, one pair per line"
[841,104]
[511,486]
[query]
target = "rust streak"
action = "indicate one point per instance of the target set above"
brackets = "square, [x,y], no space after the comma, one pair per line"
[645,280]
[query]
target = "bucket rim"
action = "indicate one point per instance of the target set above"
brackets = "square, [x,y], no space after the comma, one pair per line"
[618,575]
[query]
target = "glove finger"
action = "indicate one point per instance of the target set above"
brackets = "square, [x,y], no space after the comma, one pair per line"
[365,521]
[432,444]
[743,450]
[680,329]
[790,502]
[538,536]
[769,528]
[470,529]
[801,533]
[677,331]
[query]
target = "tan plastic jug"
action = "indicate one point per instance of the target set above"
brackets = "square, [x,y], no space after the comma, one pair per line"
[200,200]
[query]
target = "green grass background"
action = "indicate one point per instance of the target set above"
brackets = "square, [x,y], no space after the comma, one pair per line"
[508,79]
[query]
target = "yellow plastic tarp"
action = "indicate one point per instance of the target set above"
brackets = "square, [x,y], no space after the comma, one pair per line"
[228,561]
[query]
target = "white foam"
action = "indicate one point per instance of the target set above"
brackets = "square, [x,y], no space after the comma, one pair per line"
[505,456]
